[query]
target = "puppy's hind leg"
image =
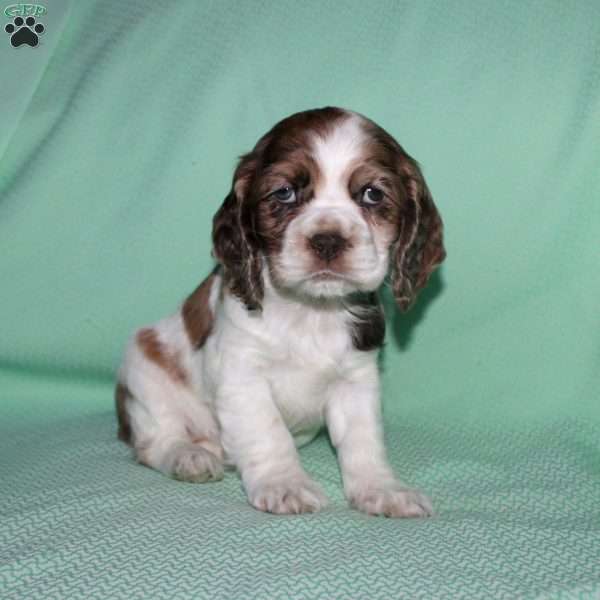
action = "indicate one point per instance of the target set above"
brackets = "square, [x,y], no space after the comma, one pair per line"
[174,452]
[183,444]
[170,428]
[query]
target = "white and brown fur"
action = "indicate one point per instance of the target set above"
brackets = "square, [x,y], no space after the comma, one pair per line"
[282,338]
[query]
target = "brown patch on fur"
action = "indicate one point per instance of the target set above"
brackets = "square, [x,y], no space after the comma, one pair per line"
[367,323]
[374,170]
[296,169]
[419,246]
[196,313]
[122,395]
[156,352]
[235,247]
[141,455]
[199,440]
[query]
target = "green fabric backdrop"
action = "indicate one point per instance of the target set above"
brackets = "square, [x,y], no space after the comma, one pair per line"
[118,136]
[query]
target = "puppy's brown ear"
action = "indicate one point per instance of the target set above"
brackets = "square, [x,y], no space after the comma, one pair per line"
[420,247]
[234,240]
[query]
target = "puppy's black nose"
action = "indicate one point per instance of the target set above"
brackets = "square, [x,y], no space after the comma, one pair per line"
[327,245]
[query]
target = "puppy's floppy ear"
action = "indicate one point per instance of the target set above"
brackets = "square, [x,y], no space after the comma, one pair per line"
[235,244]
[420,247]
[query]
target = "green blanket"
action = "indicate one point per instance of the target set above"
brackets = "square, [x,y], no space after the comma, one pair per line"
[118,135]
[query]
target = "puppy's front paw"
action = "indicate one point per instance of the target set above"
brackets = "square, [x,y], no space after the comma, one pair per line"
[391,500]
[290,496]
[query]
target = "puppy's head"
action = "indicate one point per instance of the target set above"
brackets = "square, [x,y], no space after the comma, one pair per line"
[330,203]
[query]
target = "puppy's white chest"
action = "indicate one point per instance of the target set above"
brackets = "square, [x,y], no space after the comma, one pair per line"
[300,395]
[307,359]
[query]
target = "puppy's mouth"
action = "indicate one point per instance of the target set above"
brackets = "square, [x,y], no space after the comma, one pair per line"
[327,275]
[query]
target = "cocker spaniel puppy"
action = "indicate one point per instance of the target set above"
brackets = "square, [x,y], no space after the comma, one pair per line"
[282,338]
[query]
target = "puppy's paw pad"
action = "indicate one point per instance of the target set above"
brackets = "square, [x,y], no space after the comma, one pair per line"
[288,497]
[197,465]
[392,502]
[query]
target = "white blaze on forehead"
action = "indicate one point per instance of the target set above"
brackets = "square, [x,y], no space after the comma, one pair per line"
[335,153]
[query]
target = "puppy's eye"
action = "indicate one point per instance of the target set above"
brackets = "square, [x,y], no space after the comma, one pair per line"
[285,195]
[371,195]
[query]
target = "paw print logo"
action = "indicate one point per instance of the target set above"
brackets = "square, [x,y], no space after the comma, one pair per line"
[24,31]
